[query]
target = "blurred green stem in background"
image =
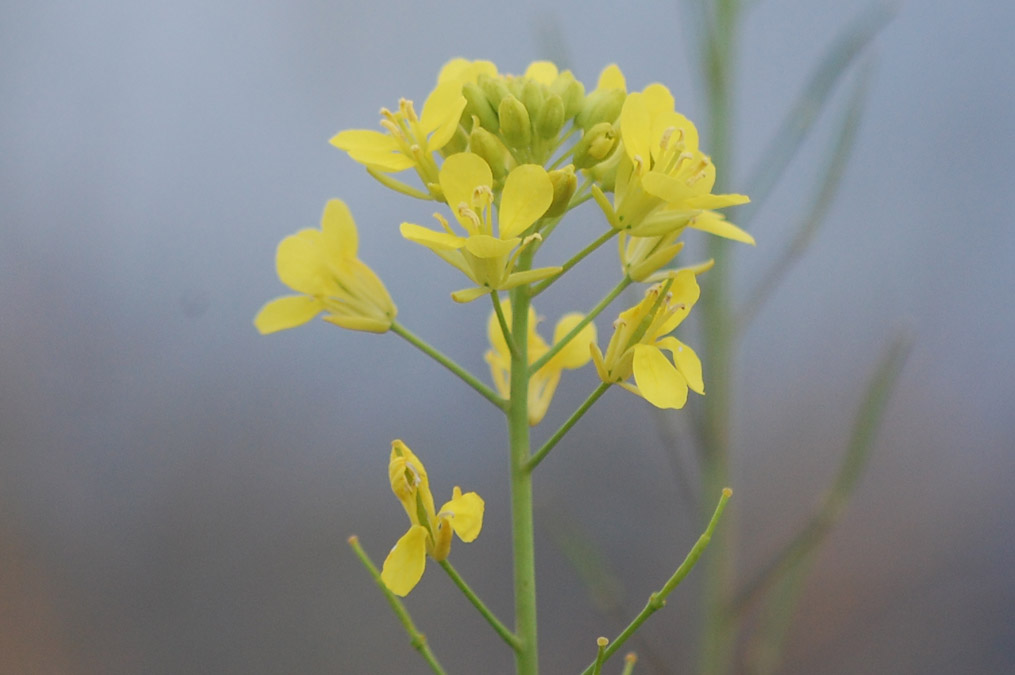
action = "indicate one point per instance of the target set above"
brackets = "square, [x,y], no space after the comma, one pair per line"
[717,29]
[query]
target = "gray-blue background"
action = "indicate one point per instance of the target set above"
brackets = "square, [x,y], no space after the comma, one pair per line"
[176,491]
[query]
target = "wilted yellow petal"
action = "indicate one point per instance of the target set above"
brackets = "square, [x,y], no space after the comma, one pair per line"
[404,565]
[287,312]
[465,513]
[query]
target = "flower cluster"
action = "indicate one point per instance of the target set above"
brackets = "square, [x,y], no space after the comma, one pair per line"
[505,158]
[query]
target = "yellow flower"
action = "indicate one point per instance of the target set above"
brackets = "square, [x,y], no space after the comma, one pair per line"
[485,256]
[323,267]
[663,179]
[542,383]
[430,530]
[408,140]
[641,334]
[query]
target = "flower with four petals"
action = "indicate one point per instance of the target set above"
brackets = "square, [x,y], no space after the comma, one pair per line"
[484,255]
[323,267]
[640,337]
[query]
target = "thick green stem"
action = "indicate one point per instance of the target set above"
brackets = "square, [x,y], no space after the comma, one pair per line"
[522,529]
[719,634]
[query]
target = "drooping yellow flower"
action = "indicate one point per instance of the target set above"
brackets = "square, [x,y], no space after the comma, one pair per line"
[408,140]
[323,267]
[640,337]
[429,530]
[542,383]
[487,254]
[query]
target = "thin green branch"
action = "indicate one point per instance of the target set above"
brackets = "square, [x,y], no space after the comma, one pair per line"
[629,660]
[593,313]
[564,428]
[865,428]
[597,665]
[577,258]
[503,631]
[502,320]
[467,377]
[801,118]
[657,600]
[416,638]
[834,170]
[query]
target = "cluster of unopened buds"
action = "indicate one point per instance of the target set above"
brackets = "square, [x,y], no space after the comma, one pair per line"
[506,158]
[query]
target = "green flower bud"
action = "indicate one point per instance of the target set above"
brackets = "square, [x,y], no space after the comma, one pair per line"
[571,92]
[533,95]
[595,145]
[602,105]
[492,149]
[564,185]
[479,106]
[494,88]
[515,127]
[550,118]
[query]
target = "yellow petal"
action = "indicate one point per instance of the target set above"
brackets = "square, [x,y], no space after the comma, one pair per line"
[465,513]
[543,72]
[612,78]
[635,130]
[287,312]
[658,99]
[715,223]
[528,192]
[301,265]
[340,238]
[528,277]
[441,112]
[404,565]
[658,381]
[485,246]
[687,362]
[373,148]
[460,175]
[576,354]
[431,239]
[469,294]
[361,323]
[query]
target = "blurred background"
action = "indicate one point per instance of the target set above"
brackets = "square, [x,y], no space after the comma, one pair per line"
[176,491]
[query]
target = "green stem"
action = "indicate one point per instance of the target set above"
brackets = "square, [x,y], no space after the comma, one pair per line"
[658,599]
[522,524]
[416,638]
[577,258]
[593,313]
[571,421]
[502,630]
[719,634]
[467,377]
[502,320]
